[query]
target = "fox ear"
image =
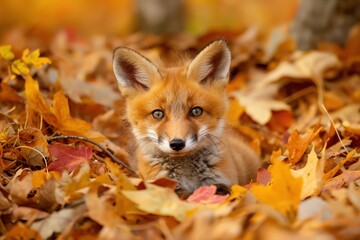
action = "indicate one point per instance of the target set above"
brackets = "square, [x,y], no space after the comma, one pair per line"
[132,70]
[211,64]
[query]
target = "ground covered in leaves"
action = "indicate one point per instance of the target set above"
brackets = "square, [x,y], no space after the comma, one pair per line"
[300,110]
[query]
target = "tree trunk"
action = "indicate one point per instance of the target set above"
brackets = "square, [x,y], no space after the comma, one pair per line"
[324,20]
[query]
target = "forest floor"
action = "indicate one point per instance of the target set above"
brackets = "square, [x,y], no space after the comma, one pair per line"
[300,111]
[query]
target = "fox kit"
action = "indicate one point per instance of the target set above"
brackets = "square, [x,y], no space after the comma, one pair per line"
[177,116]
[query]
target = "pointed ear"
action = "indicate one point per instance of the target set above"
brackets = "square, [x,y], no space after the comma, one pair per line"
[132,70]
[212,64]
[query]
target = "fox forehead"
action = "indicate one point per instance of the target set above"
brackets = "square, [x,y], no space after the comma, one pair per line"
[175,94]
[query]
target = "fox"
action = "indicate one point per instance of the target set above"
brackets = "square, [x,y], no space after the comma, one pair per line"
[177,115]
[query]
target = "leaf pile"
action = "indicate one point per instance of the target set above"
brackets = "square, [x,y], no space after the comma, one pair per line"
[299,110]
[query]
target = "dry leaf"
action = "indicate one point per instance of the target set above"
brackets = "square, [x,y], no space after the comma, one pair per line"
[161,201]
[206,195]
[67,158]
[283,192]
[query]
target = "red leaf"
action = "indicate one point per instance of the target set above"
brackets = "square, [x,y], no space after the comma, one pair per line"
[263,176]
[206,195]
[66,157]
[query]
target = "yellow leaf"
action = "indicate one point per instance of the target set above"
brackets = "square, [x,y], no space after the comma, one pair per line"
[67,124]
[20,68]
[236,192]
[6,53]
[161,201]
[283,192]
[34,59]
[311,175]
[36,101]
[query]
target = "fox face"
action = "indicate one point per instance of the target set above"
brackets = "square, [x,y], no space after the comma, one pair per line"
[176,111]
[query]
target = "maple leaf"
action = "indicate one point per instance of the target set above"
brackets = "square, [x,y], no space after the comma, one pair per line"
[34,58]
[160,201]
[311,174]
[297,144]
[66,157]
[57,115]
[283,192]
[206,195]
[67,124]
[6,53]
[20,68]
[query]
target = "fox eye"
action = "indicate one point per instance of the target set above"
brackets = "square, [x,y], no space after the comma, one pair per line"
[196,111]
[158,114]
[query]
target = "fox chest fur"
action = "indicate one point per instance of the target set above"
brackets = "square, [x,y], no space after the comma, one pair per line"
[177,117]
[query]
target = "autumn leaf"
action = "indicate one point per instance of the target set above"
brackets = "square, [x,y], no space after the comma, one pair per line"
[34,58]
[206,195]
[160,201]
[57,115]
[67,158]
[312,175]
[67,124]
[37,102]
[6,53]
[283,192]
[297,144]
[22,231]
[20,68]
[8,94]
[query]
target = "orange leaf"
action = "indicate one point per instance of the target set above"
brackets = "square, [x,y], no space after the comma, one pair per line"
[67,124]
[283,192]
[21,231]
[297,144]
[36,101]
[7,94]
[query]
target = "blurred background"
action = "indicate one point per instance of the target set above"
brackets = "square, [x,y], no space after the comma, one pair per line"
[310,21]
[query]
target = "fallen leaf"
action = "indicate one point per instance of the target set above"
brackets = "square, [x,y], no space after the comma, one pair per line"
[206,195]
[67,158]
[341,180]
[34,58]
[283,192]
[21,231]
[8,94]
[311,174]
[58,221]
[297,144]
[6,53]
[161,201]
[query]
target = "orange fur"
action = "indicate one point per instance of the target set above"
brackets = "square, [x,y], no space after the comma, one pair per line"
[210,152]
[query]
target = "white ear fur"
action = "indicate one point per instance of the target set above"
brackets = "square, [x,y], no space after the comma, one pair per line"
[132,70]
[211,64]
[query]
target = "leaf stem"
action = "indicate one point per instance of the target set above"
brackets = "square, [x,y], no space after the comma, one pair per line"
[112,157]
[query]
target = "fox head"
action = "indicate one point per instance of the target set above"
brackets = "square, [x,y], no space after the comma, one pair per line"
[175,110]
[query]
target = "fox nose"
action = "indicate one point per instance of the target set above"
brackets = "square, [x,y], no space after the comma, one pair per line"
[177,144]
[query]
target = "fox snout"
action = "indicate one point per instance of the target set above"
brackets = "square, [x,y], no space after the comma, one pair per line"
[177,144]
